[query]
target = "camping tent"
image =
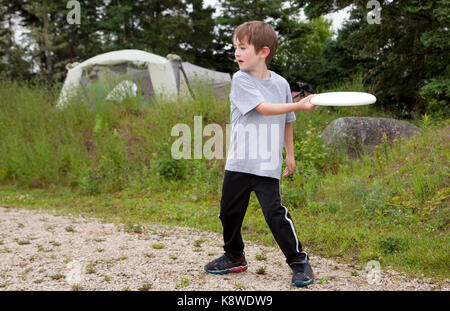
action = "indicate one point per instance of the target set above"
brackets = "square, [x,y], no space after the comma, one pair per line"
[126,72]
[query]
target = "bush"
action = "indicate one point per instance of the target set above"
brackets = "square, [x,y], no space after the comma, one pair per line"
[390,245]
[171,168]
[436,94]
[311,150]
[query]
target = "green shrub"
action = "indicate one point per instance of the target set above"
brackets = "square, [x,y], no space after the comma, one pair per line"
[391,244]
[311,149]
[171,168]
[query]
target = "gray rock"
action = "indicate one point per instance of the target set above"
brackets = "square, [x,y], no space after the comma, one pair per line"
[355,134]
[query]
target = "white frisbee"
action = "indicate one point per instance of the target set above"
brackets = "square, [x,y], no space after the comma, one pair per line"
[343,99]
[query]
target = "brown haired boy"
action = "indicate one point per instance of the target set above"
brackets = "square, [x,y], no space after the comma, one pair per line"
[262,110]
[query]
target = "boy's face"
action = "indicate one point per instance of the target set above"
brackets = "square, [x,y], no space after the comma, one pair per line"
[246,55]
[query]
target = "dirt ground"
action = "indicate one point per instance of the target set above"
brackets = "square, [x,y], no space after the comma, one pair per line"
[40,250]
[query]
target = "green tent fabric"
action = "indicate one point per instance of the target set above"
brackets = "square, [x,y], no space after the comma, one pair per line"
[130,72]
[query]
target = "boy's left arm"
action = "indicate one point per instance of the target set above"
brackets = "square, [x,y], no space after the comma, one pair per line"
[289,146]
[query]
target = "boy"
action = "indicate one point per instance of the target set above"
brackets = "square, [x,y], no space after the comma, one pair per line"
[261,105]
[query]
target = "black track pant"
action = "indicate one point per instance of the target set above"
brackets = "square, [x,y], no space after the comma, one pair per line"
[236,191]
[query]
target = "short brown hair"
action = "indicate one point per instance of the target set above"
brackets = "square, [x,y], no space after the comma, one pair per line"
[259,34]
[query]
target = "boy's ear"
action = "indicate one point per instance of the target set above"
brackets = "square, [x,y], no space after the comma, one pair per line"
[265,51]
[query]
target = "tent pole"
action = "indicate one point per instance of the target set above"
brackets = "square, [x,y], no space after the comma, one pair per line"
[187,81]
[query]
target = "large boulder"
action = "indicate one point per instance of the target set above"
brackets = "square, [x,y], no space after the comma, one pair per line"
[353,134]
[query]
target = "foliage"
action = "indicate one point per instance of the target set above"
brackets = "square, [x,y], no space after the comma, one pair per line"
[409,54]
[172,168]
[298,56]
[311,149]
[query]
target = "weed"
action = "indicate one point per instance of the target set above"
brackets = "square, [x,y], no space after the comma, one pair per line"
[261,270]
[311,150]
[23,242]
[158,246]
[134,228]
[184,282]
[198,243]
[261,257]
[145,287]
[90,268]
[70,229]
[57,276]
[172,168]
[391,244]
[239,285]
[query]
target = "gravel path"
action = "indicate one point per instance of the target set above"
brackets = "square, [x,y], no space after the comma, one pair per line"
[42,251]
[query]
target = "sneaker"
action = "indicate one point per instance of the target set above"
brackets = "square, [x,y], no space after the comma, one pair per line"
[302,273]
[227,264]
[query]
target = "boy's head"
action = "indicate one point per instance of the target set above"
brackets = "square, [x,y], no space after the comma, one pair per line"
[259,36]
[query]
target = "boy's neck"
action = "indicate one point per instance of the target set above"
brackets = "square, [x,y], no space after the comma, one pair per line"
[260,72]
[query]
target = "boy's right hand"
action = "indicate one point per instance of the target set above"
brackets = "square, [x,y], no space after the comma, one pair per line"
[306,103]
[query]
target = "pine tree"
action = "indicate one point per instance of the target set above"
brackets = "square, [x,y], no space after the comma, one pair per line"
[200,38]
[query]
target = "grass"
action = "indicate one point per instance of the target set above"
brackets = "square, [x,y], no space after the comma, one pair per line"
[261,257]
[184,282]
[261,270]
[112,161]
[158,246]
[145,287]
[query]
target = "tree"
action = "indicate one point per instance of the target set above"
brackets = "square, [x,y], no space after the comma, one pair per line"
[161,27]
[39,15]
[299,55]
[200,38]
[338,60]
[12,62]
[410,47]
[52,41]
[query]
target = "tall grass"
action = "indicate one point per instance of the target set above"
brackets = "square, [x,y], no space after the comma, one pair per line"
[92,145]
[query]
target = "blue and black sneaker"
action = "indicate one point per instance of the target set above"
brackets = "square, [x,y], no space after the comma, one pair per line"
[302,273]
[227,264]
